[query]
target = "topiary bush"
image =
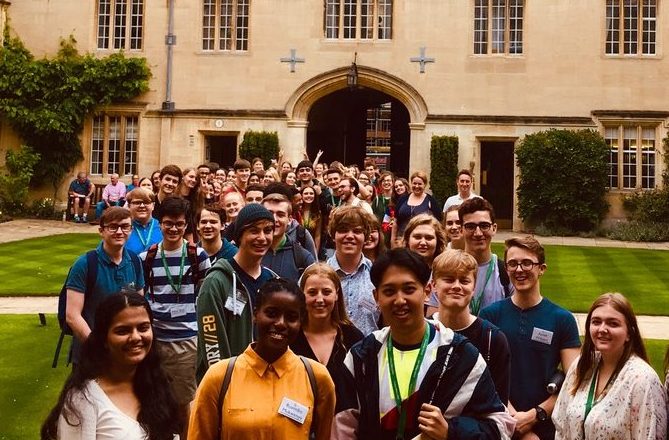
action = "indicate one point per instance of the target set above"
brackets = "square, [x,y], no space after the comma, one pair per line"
[563,179]
[262,144]
[444,166]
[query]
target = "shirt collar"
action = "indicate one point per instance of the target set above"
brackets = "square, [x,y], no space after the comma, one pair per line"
[364,261]
[281,366]
[106,260]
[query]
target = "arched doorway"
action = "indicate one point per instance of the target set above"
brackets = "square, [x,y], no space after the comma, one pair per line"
[349,125]
[323,107]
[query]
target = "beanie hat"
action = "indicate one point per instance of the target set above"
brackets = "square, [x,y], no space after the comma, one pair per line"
[305,164]
[248,215]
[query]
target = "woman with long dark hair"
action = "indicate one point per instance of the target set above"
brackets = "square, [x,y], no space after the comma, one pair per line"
[310,215]
[118,390]
[611,392]
[268,392]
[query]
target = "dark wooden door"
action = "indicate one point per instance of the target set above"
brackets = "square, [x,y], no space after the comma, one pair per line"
[222,150]
[497,161]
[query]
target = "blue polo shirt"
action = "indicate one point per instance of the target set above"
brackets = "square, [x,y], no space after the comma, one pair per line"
[111,278]
[142,237]
[81,188]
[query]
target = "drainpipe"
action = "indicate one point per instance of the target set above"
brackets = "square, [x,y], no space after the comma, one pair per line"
[170,41]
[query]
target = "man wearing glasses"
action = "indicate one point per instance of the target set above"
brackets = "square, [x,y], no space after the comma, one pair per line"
[117,269]
[541,335]
[479,227]
[173,269]
[145,229]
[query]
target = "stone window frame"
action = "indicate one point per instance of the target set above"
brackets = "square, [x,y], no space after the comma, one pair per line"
[632,154]
[120,25]
[359,20]
[114,143]
[631,28]
[498,27]
[225,25]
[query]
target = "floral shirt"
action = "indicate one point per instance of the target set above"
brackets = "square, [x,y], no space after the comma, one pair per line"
[634,408]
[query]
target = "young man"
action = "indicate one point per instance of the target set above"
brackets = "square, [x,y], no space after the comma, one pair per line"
[209,228]
[81,190]
[170,177]
[225,302]
[134,183]
[286,257]
[117,269]
[112,195]
[454,280]
[541,334]
[254,194]
[348,190]
[173,268]
[242,169]
[145,228]
[478,223]
[464,182]
[415,376]
[350,228]
[203,171]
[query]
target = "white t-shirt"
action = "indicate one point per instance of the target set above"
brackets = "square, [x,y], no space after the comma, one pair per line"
[100,418]
[457,200]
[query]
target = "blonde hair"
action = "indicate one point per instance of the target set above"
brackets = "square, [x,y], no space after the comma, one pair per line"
[427,219]
[338,317]
[422,175]
[456,262]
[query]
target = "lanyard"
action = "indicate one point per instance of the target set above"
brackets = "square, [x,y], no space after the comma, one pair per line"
[176,287]
[412,382]
[591,393]
[145,241]
[475,305]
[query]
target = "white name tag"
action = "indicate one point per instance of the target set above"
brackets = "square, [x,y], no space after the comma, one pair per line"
[293,410]
[541,335]
[236,307]
[178,310]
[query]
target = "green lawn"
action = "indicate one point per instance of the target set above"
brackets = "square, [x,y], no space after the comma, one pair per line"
[38,266]
[577,275]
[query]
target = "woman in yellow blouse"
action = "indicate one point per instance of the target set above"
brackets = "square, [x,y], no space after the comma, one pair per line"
[269,394]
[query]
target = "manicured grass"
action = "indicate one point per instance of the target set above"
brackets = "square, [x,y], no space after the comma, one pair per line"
[577,275]
[38,266]
[29,386]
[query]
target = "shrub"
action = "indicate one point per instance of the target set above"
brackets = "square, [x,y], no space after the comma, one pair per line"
[563,178]
[262,144]
[444,166]
[14,185]
[42,208]
[639,231]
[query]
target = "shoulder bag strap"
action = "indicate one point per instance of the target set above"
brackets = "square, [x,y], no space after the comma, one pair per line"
[224,389]
[314,389]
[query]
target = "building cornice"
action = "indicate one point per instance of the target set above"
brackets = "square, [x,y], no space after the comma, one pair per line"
[219,113]
[631,114]
[516,120]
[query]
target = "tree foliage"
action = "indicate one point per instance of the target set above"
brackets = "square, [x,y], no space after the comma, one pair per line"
[262,144]
[444,166]
[563,179]
[47,100]
[15,183]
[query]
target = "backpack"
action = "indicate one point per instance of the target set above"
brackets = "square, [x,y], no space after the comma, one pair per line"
[312,381]
[91,277]
[301,235]
[298,257]
[194,269]
[503,278]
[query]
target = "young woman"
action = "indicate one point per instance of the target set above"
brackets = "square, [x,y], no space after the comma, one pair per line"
[257,165]
[271,176]
[453,228]
[425,236]
[289,178]
[401,187]
[286,166]
[267,377]
[146,183]
[414,203]
[327,334]
[319,171]
[374,245]
[155,179]
[311,217]
[118,390]
[611,392]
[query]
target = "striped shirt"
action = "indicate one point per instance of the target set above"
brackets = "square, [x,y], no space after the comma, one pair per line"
[174,317]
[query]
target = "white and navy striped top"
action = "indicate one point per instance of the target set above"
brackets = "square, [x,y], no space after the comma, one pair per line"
[174,316]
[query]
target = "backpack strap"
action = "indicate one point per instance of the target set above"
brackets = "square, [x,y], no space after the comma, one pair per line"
[224,389]
[314,389]
[195,275]
[136,263]
[301,235]
[148,268]
[298,257]
[503,278]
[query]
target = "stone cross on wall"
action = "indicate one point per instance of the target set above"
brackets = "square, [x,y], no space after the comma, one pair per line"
[422,59]
[292,59]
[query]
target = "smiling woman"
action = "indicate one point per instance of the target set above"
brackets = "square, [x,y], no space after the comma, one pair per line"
[266,368]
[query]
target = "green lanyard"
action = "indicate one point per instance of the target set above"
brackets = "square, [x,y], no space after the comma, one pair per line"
[176,287]
[591,393]
[412,382]
[145,241]
[475,304]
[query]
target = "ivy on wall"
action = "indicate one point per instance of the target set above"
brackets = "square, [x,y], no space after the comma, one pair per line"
[46,101]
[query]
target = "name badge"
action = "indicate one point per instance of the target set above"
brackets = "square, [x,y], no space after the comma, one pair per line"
[541,335]
[236,307]
[293,410]
[178,310]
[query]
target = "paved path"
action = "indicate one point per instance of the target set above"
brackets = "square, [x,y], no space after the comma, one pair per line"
[656,327]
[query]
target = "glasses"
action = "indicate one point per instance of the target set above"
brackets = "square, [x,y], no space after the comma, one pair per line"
[139,203]
[125,227]
[483,226]
[453,222]
[170,225]
[525,265]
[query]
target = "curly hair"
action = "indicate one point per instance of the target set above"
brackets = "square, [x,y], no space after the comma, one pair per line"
[159,411]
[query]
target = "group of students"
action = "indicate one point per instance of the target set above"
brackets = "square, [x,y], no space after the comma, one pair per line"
[434,337]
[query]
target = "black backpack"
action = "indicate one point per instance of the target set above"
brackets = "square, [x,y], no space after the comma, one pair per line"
[312,381]
[503,277]
[91,277]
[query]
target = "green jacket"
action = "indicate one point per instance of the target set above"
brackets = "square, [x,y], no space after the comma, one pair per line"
[222,333]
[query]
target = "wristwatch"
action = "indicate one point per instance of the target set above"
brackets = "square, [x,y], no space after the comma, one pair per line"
[541,414]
